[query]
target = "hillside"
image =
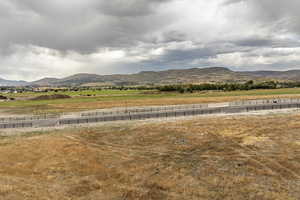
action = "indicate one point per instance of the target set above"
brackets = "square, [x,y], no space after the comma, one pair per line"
[4,82]
[292,75]
[45,81]
[194,75]
[174,76]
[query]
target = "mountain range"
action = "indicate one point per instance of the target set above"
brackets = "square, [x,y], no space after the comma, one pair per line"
[174,76]
[4,82]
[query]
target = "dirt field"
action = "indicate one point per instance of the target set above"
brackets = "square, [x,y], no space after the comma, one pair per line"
[215,158]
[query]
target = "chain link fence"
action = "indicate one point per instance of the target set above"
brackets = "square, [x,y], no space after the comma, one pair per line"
[16,125]
[177,113]
[28,118]
[265,101]
[148,113]
[144,109]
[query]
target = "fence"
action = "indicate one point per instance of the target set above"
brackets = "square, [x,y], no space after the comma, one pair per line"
[28,118]
[148,114]
[139,116]
[265,101]
[177,113]
[145,109]
[16,125]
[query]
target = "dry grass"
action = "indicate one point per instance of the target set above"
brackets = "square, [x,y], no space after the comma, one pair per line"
[160,102]
[214,158]
[112,99]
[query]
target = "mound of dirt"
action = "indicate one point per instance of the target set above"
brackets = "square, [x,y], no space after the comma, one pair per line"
[52,97]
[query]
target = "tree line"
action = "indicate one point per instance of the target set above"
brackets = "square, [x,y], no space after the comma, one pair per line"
[182,88]
[249,85]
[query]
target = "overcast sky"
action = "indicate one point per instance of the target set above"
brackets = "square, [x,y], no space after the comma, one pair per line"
[57,38]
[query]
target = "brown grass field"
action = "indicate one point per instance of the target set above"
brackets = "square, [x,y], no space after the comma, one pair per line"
[137,98]
[213,158]
[163,101]
[61,107]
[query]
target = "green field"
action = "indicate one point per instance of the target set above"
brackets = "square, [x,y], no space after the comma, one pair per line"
[98,99]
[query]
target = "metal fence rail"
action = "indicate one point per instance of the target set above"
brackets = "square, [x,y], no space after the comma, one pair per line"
[147,109]
[16,125]
[28,118]
[265,101]
[178,111]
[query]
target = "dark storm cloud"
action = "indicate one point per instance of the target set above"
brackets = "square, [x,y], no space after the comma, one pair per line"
[78,25]
[174,36]
[229,2]
[252,42]
[131,8]
[266,42]
[185,56]
[282,15]
[189,54]
[41,37]
[120,8]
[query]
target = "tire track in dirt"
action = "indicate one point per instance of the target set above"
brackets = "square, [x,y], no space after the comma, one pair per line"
[253,156]
[247,153]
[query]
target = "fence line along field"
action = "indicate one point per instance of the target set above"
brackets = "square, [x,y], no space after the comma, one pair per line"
[90,99]
[149,113]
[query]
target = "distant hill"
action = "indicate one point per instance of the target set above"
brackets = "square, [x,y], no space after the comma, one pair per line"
[45,81]
[194,75]
[292,75]
[173,76]
[4,82]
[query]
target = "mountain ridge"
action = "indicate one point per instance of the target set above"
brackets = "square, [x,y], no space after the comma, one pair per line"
[4,82]
[176,76]
[171,76]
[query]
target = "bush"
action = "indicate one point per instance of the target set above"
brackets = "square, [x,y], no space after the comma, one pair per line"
[3,97]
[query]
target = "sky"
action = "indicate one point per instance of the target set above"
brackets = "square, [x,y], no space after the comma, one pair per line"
[55,38]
